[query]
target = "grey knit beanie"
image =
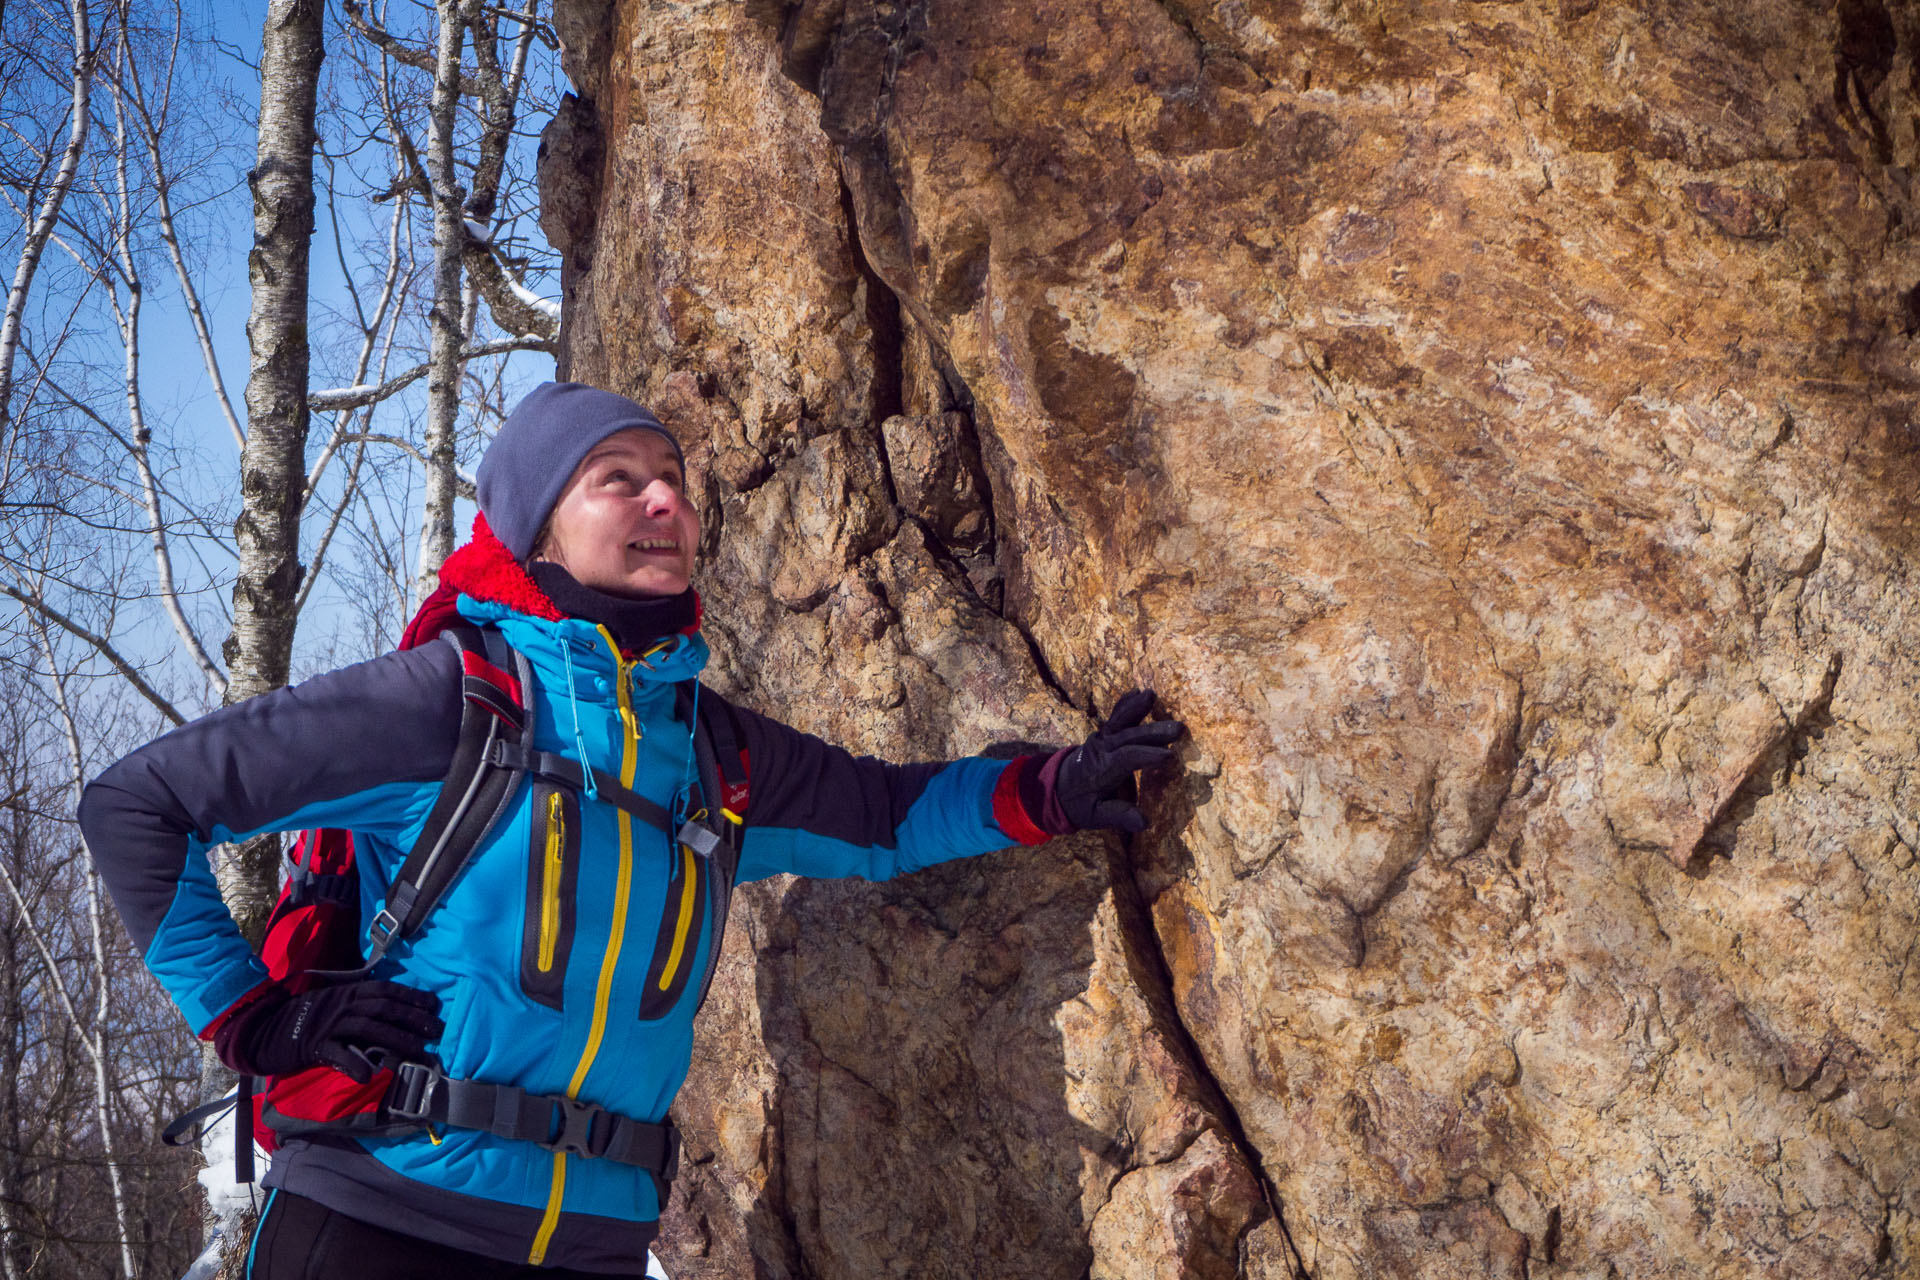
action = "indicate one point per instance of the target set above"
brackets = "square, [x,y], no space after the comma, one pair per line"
[536,449]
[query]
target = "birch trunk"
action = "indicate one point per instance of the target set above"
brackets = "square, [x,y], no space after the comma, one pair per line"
[273,463]
[272,466]
[447,315]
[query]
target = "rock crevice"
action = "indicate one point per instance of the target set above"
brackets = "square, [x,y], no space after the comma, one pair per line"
[1489,427]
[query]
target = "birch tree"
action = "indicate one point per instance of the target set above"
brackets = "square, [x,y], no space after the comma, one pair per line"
[127,548]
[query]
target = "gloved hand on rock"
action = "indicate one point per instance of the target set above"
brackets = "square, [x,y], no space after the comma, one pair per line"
[281,1033]
[1092,785]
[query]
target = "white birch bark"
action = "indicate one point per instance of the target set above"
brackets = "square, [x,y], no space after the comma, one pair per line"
[445,318]
[273,464]
[49,212]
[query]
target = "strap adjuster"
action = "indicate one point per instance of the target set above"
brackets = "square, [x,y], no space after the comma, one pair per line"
[384,926]
[574,1131]
[702,840]
[414,1084]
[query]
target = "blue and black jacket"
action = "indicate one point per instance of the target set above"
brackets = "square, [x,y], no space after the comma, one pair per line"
[583,983]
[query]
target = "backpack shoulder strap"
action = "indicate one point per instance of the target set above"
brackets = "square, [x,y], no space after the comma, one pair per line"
[730,762]
[496,682]
[723,782]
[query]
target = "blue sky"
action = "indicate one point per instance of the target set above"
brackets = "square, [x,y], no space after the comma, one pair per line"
[177,389]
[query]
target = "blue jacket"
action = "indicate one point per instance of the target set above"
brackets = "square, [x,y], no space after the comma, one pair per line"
[584,982]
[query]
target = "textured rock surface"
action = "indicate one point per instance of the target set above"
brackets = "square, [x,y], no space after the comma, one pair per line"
[1491,427]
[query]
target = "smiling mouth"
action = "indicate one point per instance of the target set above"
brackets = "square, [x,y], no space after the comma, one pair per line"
[654,545]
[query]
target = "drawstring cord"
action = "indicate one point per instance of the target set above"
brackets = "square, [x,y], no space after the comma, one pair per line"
[693,728]
[579,738]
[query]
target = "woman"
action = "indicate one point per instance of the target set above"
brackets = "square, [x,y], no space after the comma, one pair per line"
[561,970]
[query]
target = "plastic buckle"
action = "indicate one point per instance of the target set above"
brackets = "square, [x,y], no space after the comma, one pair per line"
[383,927]
[672,1169]
[576,1128]
[411,1097]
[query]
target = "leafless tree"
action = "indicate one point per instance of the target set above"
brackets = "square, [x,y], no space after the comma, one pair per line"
[131,541]
[89,1053]
[51,190]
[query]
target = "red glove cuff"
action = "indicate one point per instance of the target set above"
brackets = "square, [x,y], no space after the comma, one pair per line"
[1009,800]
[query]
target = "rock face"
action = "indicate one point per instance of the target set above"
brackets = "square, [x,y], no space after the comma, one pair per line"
[1491,427]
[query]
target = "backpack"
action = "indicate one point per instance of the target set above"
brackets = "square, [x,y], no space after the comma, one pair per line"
[313,933]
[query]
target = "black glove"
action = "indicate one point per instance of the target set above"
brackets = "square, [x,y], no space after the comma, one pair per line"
[276,1037]
[1091,785]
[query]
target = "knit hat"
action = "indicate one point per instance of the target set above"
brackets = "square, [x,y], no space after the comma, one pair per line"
[536,449]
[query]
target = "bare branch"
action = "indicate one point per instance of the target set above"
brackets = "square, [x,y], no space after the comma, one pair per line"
[36,241]
[97,1041]
[101,645]
[462,483]
[360,396]
[514,307]
[136,412]
[150,135]
[396,48]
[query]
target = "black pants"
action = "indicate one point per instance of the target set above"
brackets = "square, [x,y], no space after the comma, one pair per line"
[298,1239]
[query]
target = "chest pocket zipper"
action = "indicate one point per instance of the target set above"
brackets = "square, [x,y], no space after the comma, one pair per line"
[681,927]
[552,871]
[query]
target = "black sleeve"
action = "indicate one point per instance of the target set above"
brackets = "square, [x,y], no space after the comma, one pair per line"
[303,752]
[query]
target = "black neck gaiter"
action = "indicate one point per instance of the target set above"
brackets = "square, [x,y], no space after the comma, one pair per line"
[636,621]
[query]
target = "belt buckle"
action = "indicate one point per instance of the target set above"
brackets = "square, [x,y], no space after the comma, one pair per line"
[575,1131]
[411,1097]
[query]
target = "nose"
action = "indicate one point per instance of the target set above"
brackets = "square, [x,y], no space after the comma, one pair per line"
[662,500]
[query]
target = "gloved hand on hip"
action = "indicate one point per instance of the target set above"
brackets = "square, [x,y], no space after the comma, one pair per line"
[1092,785]
[279,1035]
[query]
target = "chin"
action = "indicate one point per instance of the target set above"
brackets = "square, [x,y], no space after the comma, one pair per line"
[649,585]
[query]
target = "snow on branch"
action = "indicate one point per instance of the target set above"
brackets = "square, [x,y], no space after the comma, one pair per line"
[515,308]
[362,394]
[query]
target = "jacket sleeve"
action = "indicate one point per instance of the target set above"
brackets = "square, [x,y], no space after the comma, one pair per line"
[817,810]
[346,749]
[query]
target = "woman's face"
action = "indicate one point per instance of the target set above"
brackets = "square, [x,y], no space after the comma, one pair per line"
[623,523]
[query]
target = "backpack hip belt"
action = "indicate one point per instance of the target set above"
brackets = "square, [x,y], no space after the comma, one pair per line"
[422,1094]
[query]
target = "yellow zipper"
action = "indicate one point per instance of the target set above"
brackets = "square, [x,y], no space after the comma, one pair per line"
[629,765]
[686,919]
[550,881]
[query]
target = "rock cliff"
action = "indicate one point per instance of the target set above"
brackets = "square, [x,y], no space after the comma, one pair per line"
[1491,427]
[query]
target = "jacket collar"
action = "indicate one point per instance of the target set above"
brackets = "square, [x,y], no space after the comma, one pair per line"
[485,570]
